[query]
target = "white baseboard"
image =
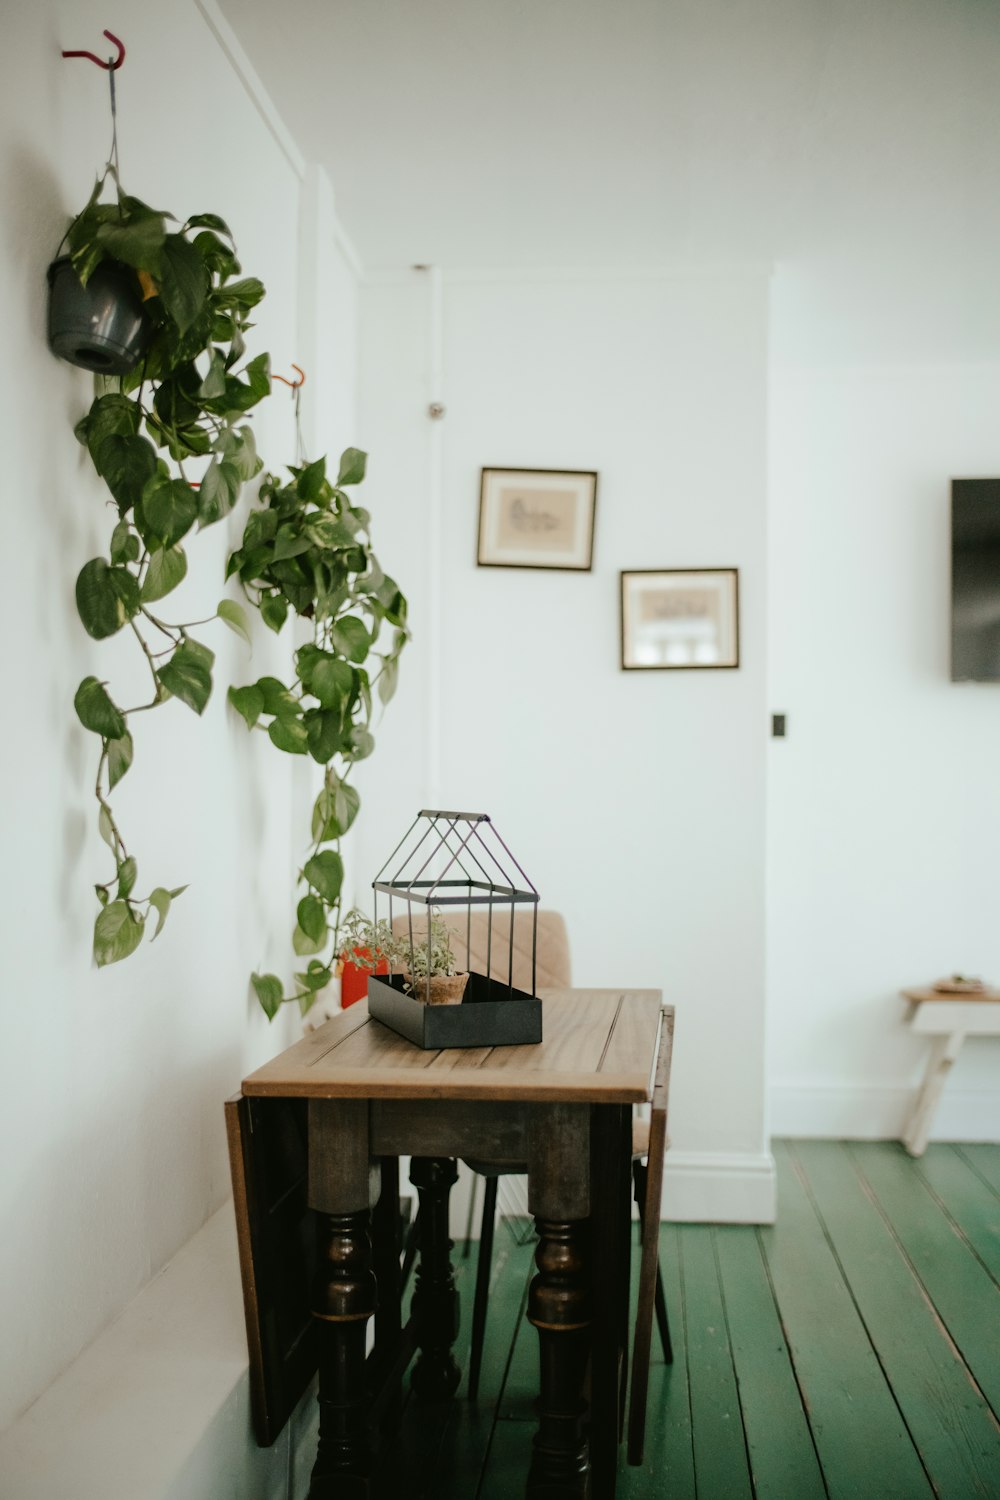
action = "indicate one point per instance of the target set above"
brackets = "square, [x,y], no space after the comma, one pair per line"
[880,1114]
[710,1187]
[158,1405]
[699,1187]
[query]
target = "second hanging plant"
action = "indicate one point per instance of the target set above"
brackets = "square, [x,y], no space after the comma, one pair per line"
[307,553]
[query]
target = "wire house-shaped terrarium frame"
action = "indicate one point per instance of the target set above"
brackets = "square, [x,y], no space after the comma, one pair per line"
[449,860]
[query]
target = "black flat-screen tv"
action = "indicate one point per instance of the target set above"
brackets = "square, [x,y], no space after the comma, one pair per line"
[975,580]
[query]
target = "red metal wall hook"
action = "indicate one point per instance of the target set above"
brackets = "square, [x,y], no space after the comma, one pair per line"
[294,384]
[108,66]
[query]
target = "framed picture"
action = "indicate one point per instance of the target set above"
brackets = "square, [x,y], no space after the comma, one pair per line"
[676,619]
[537,518]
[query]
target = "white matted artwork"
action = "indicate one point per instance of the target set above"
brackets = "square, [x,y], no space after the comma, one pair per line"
[677,618]
[537,518]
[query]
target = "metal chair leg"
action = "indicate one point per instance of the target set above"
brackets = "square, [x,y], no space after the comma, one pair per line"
[410,1251]
[660,1303]
[483,1266]
[473,1185]
[662,1322]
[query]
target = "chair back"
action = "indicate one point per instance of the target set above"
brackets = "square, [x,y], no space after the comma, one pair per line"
[470,939]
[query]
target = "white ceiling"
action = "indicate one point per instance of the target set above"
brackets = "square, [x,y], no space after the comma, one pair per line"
[488,133]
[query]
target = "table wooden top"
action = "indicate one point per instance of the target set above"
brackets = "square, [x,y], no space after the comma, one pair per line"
[599,1047]
[926,994]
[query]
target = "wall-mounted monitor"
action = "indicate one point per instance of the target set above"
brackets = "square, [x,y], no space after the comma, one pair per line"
[975,580]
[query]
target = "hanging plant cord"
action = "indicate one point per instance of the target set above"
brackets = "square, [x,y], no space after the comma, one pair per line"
[295,386]
[113,153]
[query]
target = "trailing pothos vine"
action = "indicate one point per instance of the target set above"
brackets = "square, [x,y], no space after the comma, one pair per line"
[172,445]
[307,553]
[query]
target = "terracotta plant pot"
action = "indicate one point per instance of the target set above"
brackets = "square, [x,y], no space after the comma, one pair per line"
[446,989]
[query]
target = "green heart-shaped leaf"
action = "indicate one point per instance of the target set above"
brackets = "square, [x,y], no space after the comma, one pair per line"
[325,873]
[117,933]
[235,616]
[96,711]
[167,568]
[188,674]
[120,752]
[311,916]
[97,600]
[289,735]
[184,280]
[161,900]
[274,611]
[269,992]
[352,466]
[168,510]
[248,702]
[128,870]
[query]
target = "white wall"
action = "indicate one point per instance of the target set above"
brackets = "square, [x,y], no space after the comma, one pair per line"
[394,391]
[884,800]
[883,804]
[637,802]
[634,801]
[112,1082]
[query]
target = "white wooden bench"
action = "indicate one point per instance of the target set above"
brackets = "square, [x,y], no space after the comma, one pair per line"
[948,1019]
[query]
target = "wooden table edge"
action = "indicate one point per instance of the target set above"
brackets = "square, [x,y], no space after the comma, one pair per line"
[921,995]
[369,1084]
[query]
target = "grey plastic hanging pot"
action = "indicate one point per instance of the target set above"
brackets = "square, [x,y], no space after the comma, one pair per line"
[102,326]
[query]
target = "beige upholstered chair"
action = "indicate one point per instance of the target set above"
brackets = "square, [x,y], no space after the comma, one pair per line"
[511,963]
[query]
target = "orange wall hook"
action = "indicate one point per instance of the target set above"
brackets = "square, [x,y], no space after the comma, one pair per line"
[293,384]
[110,65]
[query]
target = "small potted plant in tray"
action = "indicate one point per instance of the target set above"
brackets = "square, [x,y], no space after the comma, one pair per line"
[366,950]
[428,964]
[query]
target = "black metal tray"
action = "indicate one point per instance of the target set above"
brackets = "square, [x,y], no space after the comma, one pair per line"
[491,1014]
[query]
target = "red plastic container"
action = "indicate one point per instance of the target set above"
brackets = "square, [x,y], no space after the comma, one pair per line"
[354,978]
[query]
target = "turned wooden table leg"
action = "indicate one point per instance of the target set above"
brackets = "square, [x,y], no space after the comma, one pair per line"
[386,1250]
[610,1250]
[559,1299]
[559,1307]
[435,1300]
[344,1295]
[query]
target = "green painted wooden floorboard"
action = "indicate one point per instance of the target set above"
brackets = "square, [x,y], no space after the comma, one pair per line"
[863,1445]
[410,1464]
[466,1448]
[510,1455]
[720,1453]
[667,1469]
[967,1196]
[783,1459]
[774,1363]
[986,1161]
[963,1292]
[949,1422]
[519,1400]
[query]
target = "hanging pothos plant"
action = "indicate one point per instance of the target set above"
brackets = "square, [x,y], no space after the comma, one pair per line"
[171,443]
[308,553]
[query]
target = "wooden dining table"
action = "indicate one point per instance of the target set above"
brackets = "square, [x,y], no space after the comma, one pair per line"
[563,1107]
